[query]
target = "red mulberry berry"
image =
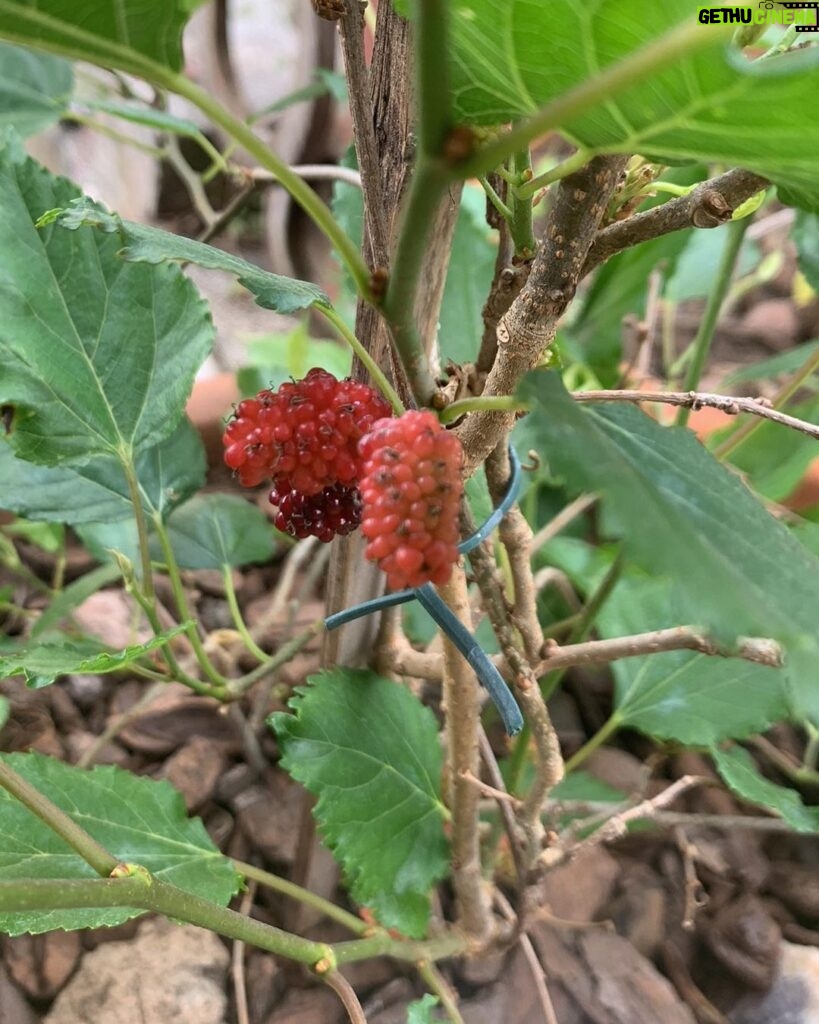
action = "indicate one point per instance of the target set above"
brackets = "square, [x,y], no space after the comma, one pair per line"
[335,511]
[410,492]
[305,435]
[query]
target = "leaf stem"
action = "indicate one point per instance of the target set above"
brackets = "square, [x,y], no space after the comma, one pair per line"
[562,170]
[374,370]
[236,687]
[438,985]
[236,615]
[599,738]
[440,948]
[428,185]
[495,199]
[429,182]
[218,681]
[92,852]
[520,203]
[128,468]
[480,403]
[311,899]
[701,345]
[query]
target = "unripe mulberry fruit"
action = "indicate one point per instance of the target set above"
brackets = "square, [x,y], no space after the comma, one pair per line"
[333,512]
[411,490]
[305,435]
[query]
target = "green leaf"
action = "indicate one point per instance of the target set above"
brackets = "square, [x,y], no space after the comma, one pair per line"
[111,32]
[369,751]
[693,698]
[471,267]
[160,120]
[777,366]
[49,537]
[276,358]
[512,57]
[735,570]
[40,662]
[168,473]
[142,244]
[98,355]
[737,768]
[773,461]
[138,820]
[213,530]
[34,89]
[420,1011]
[806,239]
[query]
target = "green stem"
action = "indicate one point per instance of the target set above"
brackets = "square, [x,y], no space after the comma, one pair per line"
[432,59]
[129,470]
[428,185]
[236,615]
[310,899]
[811,755]
[146,892]
[112,133]
[597,91]
[495,199]
[480,403]
[429,182]
[520,224]
[374,370]
[92,852]
[701,345]
[599,738]
[785,393]
[439,986]
[400,949]
[191,631]
[236,687]
[562,170]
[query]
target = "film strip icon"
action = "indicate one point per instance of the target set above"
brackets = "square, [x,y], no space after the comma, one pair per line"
[801,6]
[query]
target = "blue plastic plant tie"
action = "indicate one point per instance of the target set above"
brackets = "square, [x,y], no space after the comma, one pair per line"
[488,676]
[378,604]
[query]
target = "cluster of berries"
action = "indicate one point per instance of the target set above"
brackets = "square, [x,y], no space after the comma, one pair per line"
[338,459]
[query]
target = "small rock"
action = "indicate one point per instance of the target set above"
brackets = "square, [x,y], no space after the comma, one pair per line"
[194,770]
[579,889]
[13,1007]
[41,964]
[308,1006]
[80,741]
[269,816]
[773,322]
[168,973]
[85,690]
[794,996]
[109,615]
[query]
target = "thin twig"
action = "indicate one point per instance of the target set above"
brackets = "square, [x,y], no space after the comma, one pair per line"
[237,959]
[678,638]
[730,405]
[534,964]
[617,825]
[708,205]
[562,520]
[489,791]
[462,702]
[344,990]
[516,536]
[310,172]
[504,806]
